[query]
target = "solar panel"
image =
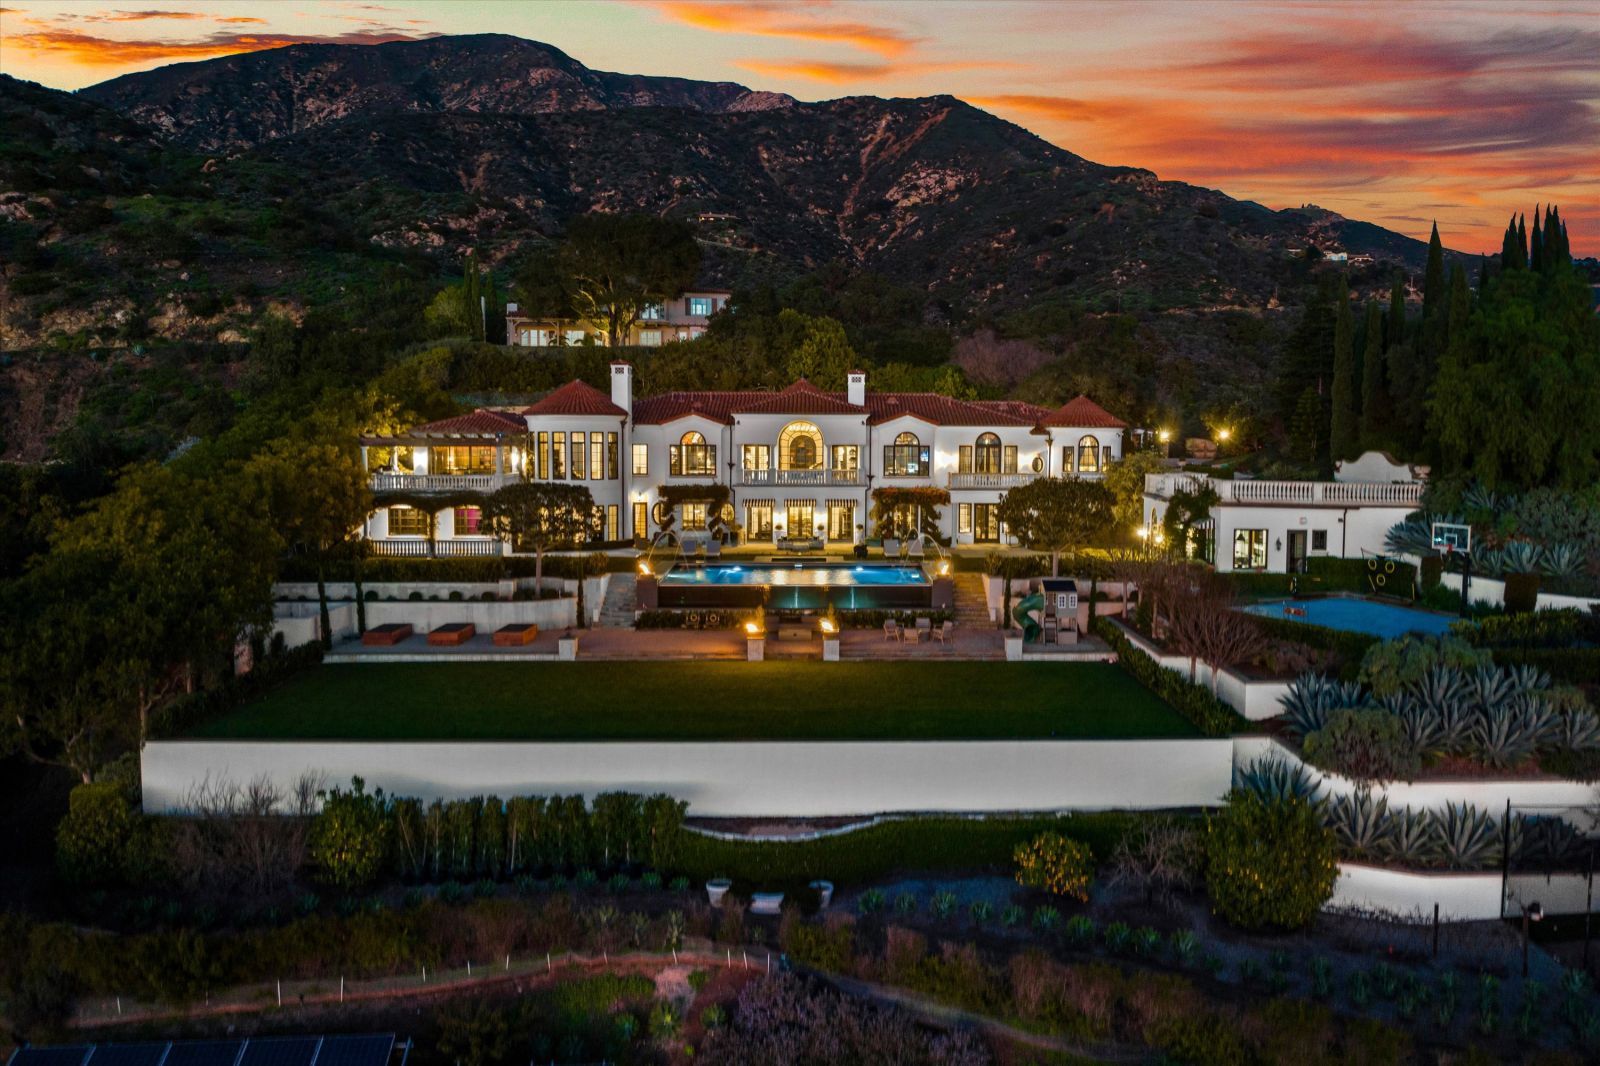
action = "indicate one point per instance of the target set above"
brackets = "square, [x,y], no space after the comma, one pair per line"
[128,1054]
[280,1051]
[203,1053]
[64,1055]
[356,1050]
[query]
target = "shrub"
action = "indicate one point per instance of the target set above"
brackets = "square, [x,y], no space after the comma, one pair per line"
[1195,702]
[104,841]
[1057,864]
[1364,744]
[1269,864]
[349,837]
[1388,667]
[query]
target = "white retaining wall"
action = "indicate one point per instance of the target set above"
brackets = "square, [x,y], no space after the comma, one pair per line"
[300,591]
[1575,800]
[1462,897]
[301,623]
[426,615]
[732,779]
[1493,591]
[1253,699]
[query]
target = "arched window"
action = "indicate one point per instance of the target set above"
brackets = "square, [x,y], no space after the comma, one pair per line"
[986,455]
[906,457]
[693,457]
[800,447]
[907,438]
[1088,456]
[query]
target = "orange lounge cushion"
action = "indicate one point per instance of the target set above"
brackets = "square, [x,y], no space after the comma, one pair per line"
[452,633]
[386,635]
[515,634]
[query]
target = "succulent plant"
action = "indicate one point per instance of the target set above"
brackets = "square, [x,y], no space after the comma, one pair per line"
[1564,561]
[1578,730]
[1361,823]
[1545,842]
[1521,557]
[1312,697]
[1184,944]
[1465,838]
[1080,929]
[1275,778]
[1505,738]
[1410,840]
[1118,937]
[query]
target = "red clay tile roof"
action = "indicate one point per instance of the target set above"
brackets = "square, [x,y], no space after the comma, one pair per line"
[575,398]
[801,398]
[1082,411]
[479,423]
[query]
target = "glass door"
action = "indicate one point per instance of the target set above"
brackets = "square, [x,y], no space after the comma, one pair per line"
[986,523]
[842,522]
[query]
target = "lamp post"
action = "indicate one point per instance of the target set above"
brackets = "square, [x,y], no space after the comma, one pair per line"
[1531,912]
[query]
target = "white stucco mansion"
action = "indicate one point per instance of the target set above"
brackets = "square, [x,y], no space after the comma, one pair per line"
[799,462]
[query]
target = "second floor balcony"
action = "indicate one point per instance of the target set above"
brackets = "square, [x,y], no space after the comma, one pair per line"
[387,482]
[822,477]
[989,481]
[1304,493]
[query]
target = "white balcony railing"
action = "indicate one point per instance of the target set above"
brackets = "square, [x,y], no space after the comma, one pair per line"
[804,478]
[419,548]
[436,482]
[1306,493]
[989,481]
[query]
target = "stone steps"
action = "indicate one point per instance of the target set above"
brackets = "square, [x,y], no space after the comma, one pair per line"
[620,603]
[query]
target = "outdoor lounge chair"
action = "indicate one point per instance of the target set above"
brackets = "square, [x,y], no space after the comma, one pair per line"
[891,630]
[916,549]
[944,631]
[713,550]
[891,547]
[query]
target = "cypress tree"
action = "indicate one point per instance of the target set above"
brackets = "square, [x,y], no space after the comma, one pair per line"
[470,284]
[1508,246]
[1305,430]
[1459,308]
[1483,274]
[1374,393]
[1536,248]
[1522,242]
[1394,331]
[1342,429]
[1557,252]
[1433,291]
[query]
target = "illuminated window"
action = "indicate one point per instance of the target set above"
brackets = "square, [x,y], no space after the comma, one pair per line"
[907,457]
[757,457]
[580,458]
[701,306]
[407,522]
[800,447]
[468,521]
[692,517]
[641,460]
[1249,549]
[461,459]
[693,457]
[1088,456]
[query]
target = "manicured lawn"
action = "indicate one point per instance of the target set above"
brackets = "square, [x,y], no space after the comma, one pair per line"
[705,701]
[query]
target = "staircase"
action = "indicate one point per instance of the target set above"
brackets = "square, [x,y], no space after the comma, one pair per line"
[971,610]
[617,610]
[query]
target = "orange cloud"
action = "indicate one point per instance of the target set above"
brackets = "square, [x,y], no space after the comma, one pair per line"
[843,73]
[240,20]
[141,16]
[91,50]
[783,20]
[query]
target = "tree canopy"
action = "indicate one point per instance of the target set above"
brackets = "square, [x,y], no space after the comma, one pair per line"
[1058,515]
[613,266]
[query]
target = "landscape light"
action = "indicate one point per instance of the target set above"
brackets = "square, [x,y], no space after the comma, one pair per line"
[1144,532]
[827,626]
[644,568]
[944,568]
[1224,433]
[752,629]
[1164,435]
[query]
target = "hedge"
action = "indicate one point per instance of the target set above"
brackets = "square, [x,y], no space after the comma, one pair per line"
[1324,574]
[271,669]
[1576,666]
[471,569]
[1195,702]
[1348,646]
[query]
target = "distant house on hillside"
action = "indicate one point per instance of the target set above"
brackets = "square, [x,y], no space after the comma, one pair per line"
[680,319]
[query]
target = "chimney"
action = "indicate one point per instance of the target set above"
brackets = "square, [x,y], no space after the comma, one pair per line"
[856,388]
[622,386]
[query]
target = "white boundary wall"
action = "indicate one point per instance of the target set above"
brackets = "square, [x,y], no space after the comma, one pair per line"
[1253,699]
[1462,897]
[732,779]
[301,623]
[1489,796]
[1492,590]
[487,616]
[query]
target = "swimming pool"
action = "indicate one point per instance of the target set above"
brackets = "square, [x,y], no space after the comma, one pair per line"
[795,586]
[1356,615]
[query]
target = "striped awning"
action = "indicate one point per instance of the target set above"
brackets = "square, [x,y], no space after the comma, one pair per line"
[761,503]
[843,503]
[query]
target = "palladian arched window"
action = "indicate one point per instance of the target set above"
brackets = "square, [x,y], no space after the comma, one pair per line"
[693,457]
[906,457]
[986,455]
[1088,456]
[800,447]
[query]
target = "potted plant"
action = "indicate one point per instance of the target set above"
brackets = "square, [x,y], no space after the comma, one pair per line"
[716,889]
[567,647]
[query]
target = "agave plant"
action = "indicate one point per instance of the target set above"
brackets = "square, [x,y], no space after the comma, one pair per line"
[1505,738]
[1564,561]
[1521,557]
[1489,561]
[1465,838]
[1312,697]
[1275,778]
[1542,841]
[1442,691]
[1577,731]
[1423,725]
[1488,687]
[1361,823]
[1410,538]
[1410,839]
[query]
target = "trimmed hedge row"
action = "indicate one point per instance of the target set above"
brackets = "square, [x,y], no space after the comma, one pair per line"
[1195,702]
[471,569]
[1348,646]
[1326,574]
[271,670]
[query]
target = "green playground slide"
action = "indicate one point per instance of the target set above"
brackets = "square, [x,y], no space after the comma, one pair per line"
[1023,613]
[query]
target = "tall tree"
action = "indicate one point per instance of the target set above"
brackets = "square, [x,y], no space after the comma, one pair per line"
[1433,281]
[1058,515]
[1344,420]
[616,265]
[1305,429]
[1536,246]
[542,516]
[1374,381]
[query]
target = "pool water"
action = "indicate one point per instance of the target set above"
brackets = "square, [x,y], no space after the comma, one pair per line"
[795,586]
[794,574]
[1356,615]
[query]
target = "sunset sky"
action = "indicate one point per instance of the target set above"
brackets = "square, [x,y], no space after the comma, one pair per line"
[1398,113]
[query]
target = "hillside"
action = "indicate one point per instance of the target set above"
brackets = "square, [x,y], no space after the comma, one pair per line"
[243,100]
